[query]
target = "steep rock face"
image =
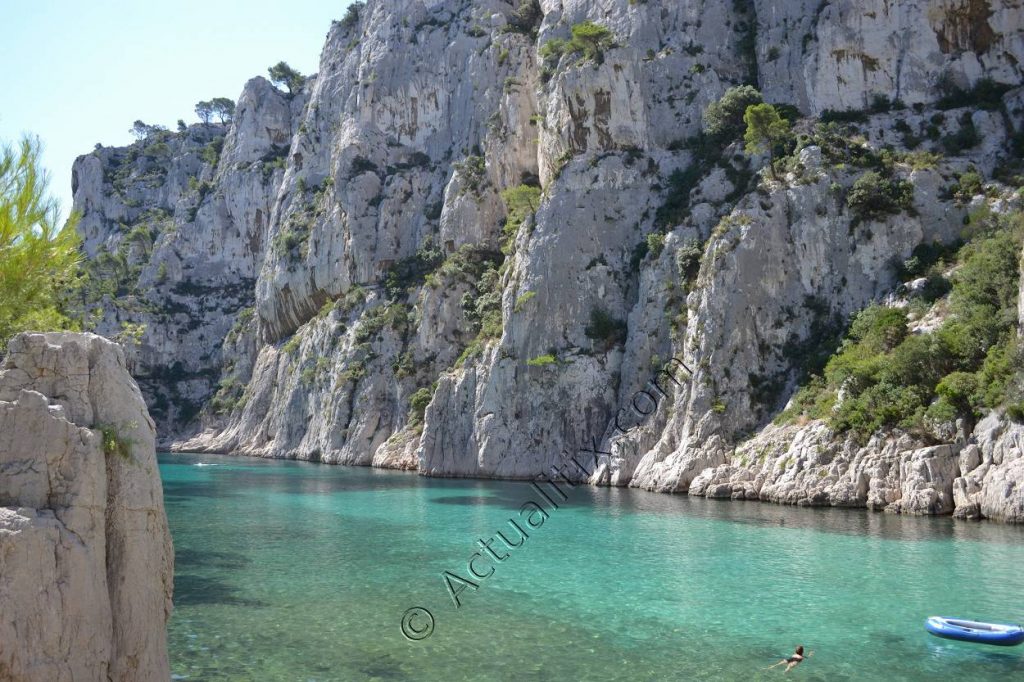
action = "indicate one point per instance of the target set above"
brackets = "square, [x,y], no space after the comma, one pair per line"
[484,242]
[176,227]
[842,55]
[402,176]
[86,552]
[991,470]
[388,150]
[779,272]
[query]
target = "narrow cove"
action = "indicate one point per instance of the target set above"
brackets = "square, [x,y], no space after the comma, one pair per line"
[294,571]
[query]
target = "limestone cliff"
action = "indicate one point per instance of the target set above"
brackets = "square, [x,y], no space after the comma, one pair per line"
[85,553]
[472,237]
[175,228]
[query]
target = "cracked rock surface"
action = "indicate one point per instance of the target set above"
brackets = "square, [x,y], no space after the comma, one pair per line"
[85,554]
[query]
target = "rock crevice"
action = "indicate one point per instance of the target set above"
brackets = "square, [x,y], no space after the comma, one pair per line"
[85,554]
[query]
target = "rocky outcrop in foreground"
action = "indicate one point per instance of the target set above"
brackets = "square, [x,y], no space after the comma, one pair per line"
[85,554]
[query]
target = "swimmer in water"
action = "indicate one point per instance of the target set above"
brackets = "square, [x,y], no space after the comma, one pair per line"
[793,661]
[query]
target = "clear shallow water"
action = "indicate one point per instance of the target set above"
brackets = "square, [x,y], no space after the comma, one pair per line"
[292,571]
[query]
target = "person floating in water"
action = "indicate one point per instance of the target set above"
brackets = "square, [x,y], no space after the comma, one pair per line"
[794,660]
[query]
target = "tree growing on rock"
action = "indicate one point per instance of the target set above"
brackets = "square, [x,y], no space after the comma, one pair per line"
[588,39]
[522,202]
[143,130]
[765,130]
[282,74]
[352,14]
[38,258]
[724,119]
[223,108]
[591,40]
[204,110]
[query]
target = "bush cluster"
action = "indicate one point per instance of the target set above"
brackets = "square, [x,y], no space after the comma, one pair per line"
[875,195]
[589,41]
[605,329]
[891,378]
[412,271]
[724,119]
[418,405]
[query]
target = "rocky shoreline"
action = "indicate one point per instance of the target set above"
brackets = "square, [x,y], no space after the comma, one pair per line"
[807,466]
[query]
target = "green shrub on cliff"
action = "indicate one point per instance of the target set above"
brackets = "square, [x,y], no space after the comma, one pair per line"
[986,94]
[589,41]
[724,119]
[890,378]
[352,14]
[412,271]
[38,257]
[282,74]
[605,330]
[418,405]
[473,170]
[114,444]
[767,131]
[482,304]
[521,202]
[211,153]
[542,360]
[875,196]
[966,136]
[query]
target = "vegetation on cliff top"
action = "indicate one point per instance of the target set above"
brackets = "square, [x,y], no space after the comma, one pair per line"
[589,41]
[282,74]
[221,107]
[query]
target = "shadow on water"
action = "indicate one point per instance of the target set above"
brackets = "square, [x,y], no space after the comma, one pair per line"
[199,476]
[382,667]
[235,475]
[853,521]
[209,559]
[887,638]
[513,503]
[194,590]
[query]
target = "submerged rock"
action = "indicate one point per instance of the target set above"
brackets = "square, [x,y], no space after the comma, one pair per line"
[87,560]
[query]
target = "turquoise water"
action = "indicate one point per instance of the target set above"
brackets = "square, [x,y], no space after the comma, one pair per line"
[292,571]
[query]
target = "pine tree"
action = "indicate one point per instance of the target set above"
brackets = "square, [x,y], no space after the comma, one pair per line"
[765,130]
[282,74]
[38,258]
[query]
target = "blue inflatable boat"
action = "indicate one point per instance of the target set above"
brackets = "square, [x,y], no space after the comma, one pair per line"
[973,631]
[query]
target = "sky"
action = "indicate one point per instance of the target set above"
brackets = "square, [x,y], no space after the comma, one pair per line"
[78,72]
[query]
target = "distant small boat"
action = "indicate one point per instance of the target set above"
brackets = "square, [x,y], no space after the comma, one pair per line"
[973,631]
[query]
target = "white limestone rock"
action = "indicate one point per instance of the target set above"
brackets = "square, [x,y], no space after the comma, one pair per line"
[992,480]
[87,557]
[423,112]
[841,55]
